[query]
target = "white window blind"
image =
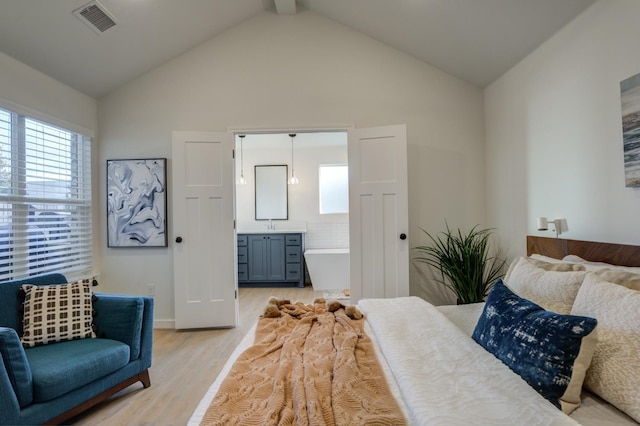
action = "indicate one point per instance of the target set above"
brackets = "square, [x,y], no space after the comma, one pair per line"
[45,199]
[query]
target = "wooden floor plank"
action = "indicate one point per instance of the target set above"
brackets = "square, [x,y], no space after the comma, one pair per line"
[185,364]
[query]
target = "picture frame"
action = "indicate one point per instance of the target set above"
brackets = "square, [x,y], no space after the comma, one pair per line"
[630,99]
[137,203]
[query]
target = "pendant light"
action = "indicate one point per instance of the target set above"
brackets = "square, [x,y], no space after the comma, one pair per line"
[293,180]
[242,180]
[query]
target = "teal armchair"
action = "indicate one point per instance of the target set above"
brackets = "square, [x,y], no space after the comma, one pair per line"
[55,382]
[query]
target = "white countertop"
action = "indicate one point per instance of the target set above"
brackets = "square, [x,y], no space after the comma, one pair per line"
[272,231]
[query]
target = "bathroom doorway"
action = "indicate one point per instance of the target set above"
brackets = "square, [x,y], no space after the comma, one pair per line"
[377,227]
[316,200]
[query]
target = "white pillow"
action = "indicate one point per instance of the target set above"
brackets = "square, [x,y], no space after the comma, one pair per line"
[510,269]
[553,290]
[614,374]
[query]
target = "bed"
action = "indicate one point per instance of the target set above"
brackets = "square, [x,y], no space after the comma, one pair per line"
[440,373]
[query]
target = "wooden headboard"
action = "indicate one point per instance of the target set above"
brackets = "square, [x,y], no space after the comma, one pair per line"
[615,254]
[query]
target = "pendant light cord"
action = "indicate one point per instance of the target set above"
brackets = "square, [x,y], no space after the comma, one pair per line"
[293,179]
[242,155]
[242,181]
[292,168]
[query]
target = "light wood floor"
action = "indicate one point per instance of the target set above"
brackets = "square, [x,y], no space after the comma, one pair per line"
[185,364]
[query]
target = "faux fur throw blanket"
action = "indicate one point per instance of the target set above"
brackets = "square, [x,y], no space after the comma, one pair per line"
[309,365]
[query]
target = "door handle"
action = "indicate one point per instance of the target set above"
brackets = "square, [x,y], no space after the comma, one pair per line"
[403,236]
[178,240]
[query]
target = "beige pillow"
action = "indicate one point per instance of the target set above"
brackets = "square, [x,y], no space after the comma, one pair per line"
[545,258]
[623,278]
[546,263]
[557,266]
[614,374]
[553,290]
[578,259]
[598,266]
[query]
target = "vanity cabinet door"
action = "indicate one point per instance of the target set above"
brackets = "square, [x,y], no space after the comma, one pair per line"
[275,257]
[257,258]
[266,257]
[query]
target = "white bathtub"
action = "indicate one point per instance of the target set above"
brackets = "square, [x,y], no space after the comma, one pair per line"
[328,268]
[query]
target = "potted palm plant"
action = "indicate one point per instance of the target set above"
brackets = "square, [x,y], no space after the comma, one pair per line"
[465,262]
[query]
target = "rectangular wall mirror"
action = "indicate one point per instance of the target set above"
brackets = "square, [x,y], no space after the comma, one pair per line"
[271,192]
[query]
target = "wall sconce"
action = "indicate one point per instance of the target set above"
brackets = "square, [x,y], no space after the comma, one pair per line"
[242,180]
[293,180]
[560,225]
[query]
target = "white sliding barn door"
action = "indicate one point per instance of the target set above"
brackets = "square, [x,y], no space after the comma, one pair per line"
[378,212]
[205,279]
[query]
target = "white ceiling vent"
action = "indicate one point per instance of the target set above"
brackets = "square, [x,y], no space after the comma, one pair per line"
[95,16]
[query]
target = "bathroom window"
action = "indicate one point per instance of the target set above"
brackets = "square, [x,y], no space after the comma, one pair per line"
[334,188]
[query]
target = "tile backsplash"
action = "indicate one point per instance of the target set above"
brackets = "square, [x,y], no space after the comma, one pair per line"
[327,235]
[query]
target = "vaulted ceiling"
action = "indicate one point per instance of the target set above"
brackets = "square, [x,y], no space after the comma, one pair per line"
[474,40]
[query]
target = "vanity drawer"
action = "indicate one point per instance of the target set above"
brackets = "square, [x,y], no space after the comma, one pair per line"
[292,254]
[242,240]
[293,271]
[242,254]
[293,239]
[243,272]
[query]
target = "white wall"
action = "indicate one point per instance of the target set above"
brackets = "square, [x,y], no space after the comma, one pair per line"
[31,92]
[299,71]
[554,134]
[52,100]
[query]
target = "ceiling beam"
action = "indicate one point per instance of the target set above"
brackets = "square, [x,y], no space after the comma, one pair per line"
[286,7]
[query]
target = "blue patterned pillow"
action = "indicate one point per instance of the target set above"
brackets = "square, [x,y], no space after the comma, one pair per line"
[549,351]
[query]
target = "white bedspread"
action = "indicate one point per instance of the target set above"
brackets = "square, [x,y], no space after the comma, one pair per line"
[446,378]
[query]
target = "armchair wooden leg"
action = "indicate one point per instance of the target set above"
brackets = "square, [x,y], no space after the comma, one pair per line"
[145,379]
[142,377]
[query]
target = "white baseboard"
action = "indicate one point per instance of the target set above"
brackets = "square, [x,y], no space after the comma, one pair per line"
[166,323]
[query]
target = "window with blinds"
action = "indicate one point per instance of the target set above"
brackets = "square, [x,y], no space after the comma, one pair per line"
[45,199]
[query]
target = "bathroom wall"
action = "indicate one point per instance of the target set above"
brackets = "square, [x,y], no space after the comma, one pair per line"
[323,235]
[310,151]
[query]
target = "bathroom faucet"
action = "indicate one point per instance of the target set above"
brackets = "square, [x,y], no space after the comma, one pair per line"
[271,226]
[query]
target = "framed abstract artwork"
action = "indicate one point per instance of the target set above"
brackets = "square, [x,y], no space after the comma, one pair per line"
[630,96]
[137,203]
